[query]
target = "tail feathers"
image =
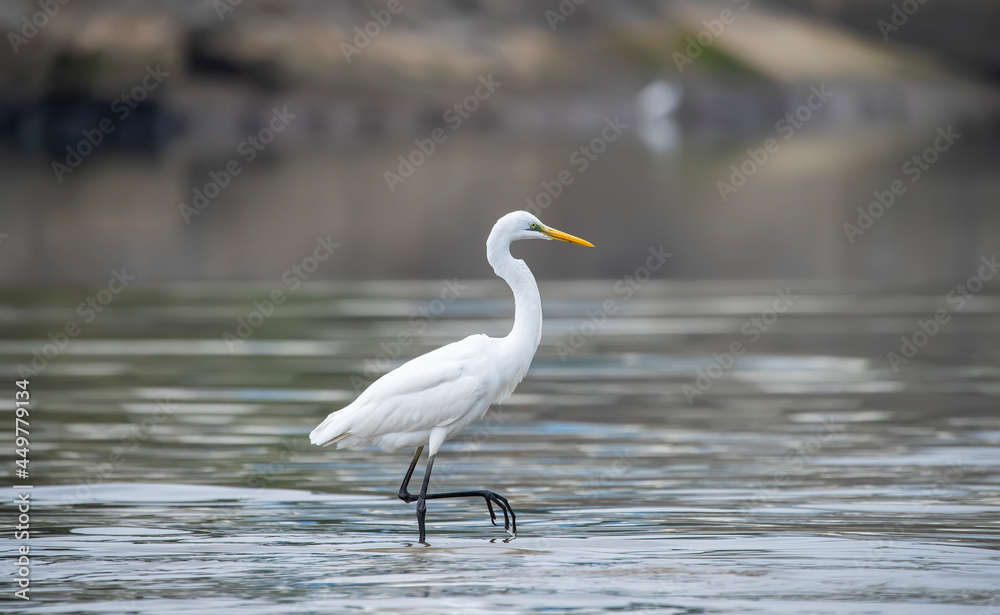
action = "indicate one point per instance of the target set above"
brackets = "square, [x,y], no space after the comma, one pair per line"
[329,431]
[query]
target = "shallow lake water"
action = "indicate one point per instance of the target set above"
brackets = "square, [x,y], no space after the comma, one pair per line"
[647,470]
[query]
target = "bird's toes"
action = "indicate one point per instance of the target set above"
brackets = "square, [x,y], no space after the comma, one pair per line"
[503,507]
[493,515]
[507,508]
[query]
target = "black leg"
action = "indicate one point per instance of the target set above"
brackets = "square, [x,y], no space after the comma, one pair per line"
[422,499]
[403,493]
[509,520]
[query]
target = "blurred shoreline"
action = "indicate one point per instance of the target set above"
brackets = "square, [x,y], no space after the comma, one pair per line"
[361,72]
[147,135]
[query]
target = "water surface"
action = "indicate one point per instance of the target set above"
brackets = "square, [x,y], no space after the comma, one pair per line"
[175,476]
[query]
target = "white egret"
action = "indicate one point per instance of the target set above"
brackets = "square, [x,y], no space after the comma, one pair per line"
[433,397]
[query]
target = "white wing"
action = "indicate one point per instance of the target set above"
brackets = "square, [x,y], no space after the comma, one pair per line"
[433,390]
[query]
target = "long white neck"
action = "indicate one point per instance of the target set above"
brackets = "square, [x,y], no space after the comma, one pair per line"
[526,333]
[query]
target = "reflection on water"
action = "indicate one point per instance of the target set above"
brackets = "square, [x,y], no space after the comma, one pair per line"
[174,476]
[786,221]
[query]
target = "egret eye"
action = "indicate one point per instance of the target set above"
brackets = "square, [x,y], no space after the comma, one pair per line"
[533,226]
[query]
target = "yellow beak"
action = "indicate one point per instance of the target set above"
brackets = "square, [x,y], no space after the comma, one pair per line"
[561,236]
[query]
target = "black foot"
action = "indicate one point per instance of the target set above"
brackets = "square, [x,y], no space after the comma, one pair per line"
[491,497]
[509,524]
[509,520]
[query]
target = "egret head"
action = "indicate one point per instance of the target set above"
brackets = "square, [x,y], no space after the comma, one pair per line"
[522,225]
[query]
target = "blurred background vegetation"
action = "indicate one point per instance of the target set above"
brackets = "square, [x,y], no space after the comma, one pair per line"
[698,85]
